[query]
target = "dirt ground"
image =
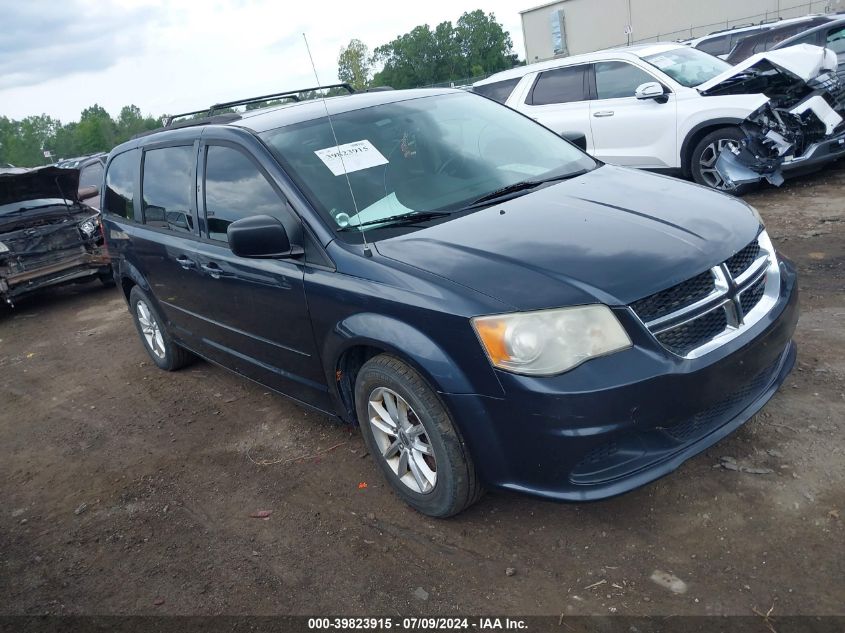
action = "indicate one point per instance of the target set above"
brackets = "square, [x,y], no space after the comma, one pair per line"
[127,490]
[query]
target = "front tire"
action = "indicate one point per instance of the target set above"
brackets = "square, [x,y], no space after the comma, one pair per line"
[412,438]
[162,350]
[703,158]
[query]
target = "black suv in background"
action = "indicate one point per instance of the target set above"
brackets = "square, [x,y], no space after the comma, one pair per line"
[828,35]
[492,305]
[770,38]
[91,169]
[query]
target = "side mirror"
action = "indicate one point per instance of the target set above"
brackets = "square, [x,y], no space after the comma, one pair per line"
[86,193]
[260,236]
[576,138]
[649,90]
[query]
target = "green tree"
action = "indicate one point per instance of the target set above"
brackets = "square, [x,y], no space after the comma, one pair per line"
[96,131]
[476,44]
[483,43]
[23,142]
[130,122]
[353,64]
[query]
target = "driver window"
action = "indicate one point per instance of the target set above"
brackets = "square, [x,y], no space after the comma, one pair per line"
[615,80]
[234,189]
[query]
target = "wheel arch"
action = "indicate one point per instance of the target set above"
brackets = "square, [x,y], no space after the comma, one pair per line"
[129,276]
[697,133]
[362,336]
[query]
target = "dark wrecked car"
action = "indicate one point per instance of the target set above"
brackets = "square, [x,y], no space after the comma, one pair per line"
[799,125]
[47,236]
[91,169]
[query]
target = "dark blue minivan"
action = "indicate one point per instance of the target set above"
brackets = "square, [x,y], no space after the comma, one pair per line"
[492,306]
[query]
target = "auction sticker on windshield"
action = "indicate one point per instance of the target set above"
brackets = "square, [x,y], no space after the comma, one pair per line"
[353,156]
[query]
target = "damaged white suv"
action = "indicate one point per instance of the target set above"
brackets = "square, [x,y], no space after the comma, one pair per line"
[668,107]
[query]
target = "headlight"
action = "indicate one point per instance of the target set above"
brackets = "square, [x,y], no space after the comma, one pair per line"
[550,342]
[88,227]
[3,248]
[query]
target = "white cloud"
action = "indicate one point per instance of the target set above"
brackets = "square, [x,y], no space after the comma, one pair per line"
[165,56]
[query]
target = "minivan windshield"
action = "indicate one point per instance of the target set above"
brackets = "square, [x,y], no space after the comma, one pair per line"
[690,67]
[419,160]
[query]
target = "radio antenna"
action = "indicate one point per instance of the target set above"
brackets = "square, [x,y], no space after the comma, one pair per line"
[367,251]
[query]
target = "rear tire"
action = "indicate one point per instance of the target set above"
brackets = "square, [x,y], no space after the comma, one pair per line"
[702,165]
[419,452]
[162,350]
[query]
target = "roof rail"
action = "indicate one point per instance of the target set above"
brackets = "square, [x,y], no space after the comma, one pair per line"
[293,95]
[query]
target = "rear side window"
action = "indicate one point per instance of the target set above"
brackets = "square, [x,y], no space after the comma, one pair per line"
[91,176]
[498,91]
[783,34]
[167,188]
[807,39]
[736,39]
[235,188]
[836,40]
[561,85]
[619,79]
[120,183]
[716,45]
[761,45]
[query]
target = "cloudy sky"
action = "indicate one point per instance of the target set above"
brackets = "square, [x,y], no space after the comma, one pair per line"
[60,56]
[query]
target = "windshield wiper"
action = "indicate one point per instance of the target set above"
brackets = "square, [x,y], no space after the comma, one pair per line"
[517,187]
[395,220]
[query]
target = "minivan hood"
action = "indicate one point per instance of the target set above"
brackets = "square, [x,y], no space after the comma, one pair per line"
[613,235]
[796,66]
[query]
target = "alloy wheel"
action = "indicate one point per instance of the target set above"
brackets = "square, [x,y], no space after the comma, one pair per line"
[150,329]
[402,440]
[707,163]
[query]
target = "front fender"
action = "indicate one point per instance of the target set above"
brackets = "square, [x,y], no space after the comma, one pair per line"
[367,328]
[437,366]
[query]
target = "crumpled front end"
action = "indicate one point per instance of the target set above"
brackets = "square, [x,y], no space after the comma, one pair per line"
[56,248]
[801,127]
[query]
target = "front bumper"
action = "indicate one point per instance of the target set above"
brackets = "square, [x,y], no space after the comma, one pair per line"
[816,156]
[621,421]
[78,268]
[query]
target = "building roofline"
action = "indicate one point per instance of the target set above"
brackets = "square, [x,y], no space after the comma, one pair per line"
[542,6]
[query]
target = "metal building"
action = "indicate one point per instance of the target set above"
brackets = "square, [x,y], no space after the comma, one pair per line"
[569,27]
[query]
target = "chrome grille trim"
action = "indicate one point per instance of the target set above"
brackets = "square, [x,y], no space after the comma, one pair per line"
[758,266]
[722,305]
[721,287]
[726,296]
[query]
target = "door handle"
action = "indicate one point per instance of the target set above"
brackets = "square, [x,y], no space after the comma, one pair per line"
[214,271]
[186,263]
[603,113]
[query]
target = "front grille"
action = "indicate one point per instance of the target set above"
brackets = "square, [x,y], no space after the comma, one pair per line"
[740,262]
[679,296]
[688,315]
[752,296]
[688,336]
